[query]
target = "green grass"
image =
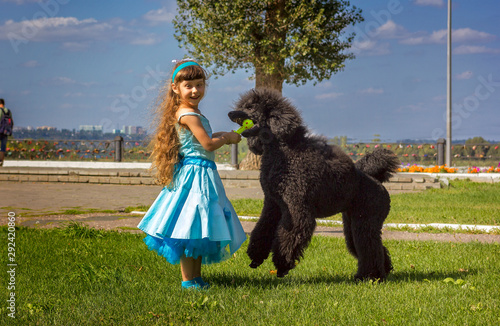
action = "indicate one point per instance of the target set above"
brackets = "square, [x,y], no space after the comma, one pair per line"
[248,207]
[463,202]
[79,211]
[74,276]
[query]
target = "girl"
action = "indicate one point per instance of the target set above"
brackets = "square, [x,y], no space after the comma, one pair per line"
[191,221]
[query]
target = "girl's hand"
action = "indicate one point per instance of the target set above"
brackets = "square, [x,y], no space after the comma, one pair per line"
[232,137]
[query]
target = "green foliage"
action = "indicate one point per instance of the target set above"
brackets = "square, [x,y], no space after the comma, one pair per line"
[292,41]
[80,230]
[476,141]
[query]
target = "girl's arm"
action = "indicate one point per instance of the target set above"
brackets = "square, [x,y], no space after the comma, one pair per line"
[218,134]
[210,144]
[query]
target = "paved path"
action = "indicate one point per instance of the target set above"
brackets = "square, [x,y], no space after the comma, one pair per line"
[32,202]
[37,198]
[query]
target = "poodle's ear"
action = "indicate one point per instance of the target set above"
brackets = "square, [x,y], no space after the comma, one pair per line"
[284,120]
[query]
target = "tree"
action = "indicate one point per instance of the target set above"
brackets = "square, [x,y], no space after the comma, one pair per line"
[476,141]
[290,41]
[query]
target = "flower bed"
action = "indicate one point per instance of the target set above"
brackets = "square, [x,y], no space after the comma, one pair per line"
[491,169]
[444,169]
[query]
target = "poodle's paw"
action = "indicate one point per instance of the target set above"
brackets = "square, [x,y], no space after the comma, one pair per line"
[282,273]
[370,277]
[388,269]
[255,264]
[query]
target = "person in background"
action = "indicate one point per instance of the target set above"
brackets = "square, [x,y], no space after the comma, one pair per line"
[6,125]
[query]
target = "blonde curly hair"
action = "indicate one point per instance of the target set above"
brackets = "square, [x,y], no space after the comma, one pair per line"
[165,142]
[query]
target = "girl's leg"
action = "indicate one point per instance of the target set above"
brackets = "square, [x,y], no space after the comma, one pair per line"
[191,273]
[197,267]
[190,268]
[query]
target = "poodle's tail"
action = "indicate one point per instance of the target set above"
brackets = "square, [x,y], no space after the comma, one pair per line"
[380,164]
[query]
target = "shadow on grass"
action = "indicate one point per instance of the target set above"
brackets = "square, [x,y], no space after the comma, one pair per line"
[416,276]
[236,281]
[291,281]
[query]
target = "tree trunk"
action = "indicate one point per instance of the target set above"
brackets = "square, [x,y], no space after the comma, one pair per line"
[250,162]
[274,80]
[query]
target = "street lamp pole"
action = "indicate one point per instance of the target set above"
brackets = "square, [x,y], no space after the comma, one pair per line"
[448,93]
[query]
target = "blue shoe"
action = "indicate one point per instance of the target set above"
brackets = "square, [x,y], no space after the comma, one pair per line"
[191,285]
[202,283]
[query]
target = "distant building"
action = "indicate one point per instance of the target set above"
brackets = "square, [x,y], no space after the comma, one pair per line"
[17,128]
[133,130]
[90,128]
[46,128]
[129,130]
[141,131]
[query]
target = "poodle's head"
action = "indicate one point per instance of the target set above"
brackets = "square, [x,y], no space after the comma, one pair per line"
[275,118]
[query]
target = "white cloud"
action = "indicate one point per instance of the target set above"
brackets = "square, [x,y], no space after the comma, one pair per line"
[160,16]
[458,36]
[471,49]
[470,35]
[20,2]
[464,75]
[328,96]
[435,3]
[371,91]
[435,37]
[391,30]
[72,33]
[371,44]
[370,47]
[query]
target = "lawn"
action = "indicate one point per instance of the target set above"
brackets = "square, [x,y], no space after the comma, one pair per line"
[463,202]
[81,276]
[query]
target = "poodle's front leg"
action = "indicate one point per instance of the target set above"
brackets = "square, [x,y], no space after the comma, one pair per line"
[294,234]
[262,236]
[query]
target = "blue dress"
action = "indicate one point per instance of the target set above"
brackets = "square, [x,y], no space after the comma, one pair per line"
[194,217]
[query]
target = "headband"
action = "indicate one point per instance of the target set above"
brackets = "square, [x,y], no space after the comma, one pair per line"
[182,66]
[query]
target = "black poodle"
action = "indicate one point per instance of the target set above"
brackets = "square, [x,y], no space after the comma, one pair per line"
[304,178]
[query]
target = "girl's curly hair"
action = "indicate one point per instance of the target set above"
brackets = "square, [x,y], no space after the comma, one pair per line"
[165,142]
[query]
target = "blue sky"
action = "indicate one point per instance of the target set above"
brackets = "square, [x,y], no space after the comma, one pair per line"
[65,63]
